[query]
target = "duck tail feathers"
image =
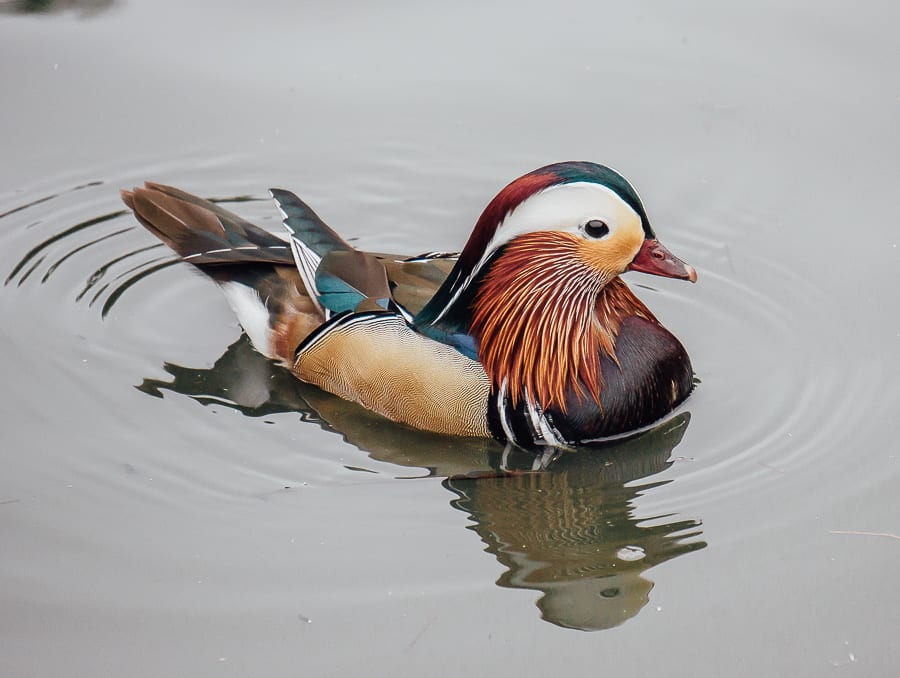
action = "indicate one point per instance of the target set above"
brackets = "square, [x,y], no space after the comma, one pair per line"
[200,231]
[254,268]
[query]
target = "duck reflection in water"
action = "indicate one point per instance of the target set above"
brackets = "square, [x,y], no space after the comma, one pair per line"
[563,524]
[570,532]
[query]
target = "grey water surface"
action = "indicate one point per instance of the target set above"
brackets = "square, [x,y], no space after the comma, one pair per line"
[171,503]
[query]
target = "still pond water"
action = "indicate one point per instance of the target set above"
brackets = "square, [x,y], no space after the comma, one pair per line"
[172,504]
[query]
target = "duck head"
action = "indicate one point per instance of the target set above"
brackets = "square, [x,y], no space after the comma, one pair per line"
[528,287]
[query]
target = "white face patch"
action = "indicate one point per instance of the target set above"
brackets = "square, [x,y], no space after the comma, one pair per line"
[563,207]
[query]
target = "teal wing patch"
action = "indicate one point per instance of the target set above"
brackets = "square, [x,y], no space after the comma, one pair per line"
[347,279]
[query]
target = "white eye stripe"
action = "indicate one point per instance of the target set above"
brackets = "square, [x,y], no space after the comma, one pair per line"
[563,207]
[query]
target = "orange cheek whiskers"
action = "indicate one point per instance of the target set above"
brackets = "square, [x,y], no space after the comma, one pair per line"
[543,316]
[534,319]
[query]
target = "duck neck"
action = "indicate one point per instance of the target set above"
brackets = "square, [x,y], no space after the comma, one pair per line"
[447,315]
[541,320]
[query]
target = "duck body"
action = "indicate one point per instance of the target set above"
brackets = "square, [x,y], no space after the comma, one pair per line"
[528,335]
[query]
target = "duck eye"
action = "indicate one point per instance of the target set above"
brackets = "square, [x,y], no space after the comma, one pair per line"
[596,228]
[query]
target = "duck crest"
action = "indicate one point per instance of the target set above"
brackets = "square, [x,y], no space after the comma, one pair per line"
[449,305]
[542,319]
[515,193]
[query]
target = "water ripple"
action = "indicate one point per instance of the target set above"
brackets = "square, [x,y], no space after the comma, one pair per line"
[770,370]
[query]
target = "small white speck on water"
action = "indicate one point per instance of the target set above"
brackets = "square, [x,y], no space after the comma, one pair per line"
[851,658]
[659,608]
[305,620]
[55,67]
[630,553]
[222,659]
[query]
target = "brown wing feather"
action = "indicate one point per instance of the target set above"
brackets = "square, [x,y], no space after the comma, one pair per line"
[413,283]
[200,231]
[360,270]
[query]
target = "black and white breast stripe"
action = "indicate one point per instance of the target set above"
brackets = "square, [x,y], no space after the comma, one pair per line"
[525,425]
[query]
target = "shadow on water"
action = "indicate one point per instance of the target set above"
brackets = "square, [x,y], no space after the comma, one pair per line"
[563,525]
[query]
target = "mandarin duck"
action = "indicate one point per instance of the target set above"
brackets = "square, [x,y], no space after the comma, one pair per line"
[528,335]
